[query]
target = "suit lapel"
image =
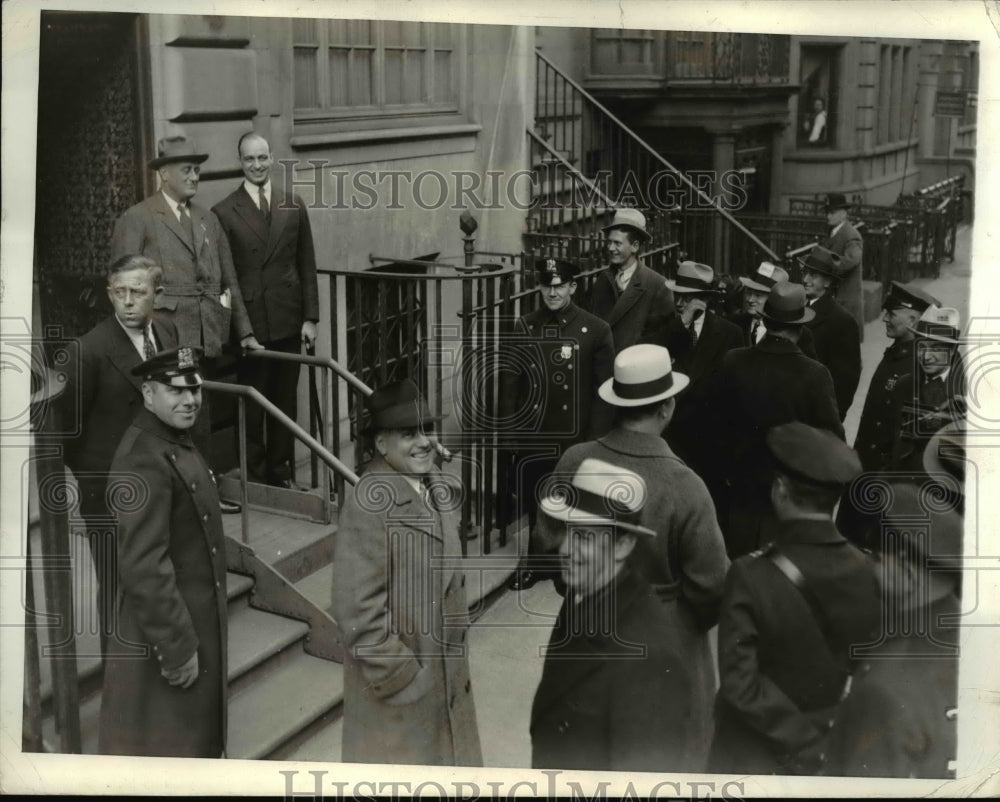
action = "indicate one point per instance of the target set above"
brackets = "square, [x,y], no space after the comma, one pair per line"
[705,348]
[278,217]
[169,219]
[629,298]
[123,355]
[248,211]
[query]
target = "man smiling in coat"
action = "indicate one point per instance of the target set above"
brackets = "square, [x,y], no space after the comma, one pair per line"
[399,597]
[615,692]
[171,700]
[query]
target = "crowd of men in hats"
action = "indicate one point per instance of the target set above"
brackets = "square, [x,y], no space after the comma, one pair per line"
[678,471]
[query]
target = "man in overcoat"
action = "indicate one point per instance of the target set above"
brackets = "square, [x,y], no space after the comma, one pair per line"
[845,241]
[685,563]
[633,299]
[201,293]
[272,246]
[399,597]
[755,389]
[170,699]
[791,614]
[615,692]
[699,340]
[901,717]
[835,331]
[880,418]
[556,359]
[102,398]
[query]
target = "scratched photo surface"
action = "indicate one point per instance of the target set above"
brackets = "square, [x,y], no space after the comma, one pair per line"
[425,399]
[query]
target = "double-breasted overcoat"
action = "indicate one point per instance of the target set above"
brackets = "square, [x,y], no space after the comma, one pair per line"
[171,599]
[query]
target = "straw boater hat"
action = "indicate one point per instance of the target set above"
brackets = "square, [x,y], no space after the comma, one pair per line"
[642,375]
[399,405]
[693,277]
[173,149]
[786,304]
[599,494]
[938,324]
[767,276]
[629,218]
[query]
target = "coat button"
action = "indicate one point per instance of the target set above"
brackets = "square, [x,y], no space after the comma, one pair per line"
[204,517]
[214,550]
[565,386]
[565,407]
[217,583]
[194,485]
[563,726]
[173,456]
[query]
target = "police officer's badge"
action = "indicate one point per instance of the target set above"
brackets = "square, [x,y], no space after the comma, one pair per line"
[185,359]
[566,352]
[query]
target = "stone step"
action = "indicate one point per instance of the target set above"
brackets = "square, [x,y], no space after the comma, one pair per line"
[258,642]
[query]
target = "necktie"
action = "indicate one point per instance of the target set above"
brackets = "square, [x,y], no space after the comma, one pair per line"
[753,332]
[187,224]
[693,332]
[622,280]
[265,208]
[148,349]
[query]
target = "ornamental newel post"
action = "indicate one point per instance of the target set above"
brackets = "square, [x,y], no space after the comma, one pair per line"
[468,224]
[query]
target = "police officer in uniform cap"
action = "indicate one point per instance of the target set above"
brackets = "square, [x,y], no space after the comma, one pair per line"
[557,358]
[168,697]
[880,418]
[790,614]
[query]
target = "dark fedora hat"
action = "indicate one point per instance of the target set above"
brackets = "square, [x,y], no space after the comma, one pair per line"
[823,260]
[693,277]
[836,200]
[786,304]
[173,149]
[399,405]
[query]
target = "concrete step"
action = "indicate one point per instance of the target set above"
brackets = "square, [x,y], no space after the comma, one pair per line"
[320,742]
[278,705]
[293,546]
[318,588]
[256,638]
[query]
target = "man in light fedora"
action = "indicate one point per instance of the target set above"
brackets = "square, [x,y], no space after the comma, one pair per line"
[757,388]
[845,241]
[686,562]
[634,300]
[836,333]
[699,339]
[399,597]
[615,692]
[756,289]
[201,293]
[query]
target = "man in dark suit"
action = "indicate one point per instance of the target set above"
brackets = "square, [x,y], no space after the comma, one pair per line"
[631,298]
[790,615]
[559,357]
[835,332]
[755,389]
[698,341]
[901,717]
[102,397]
[615,692]
[201,294]
[170,700]
[756,289]
[272,247]
[845,241]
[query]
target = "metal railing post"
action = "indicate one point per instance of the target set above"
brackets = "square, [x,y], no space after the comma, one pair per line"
[241,423]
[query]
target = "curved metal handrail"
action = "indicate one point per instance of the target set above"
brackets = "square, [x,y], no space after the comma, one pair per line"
[311,442]
[476,271]
[319,361]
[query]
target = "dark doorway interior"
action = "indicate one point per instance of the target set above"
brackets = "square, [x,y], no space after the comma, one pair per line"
[92,119]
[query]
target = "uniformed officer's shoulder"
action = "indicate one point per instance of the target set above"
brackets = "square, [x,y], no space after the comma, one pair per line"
[764,551]
[590,320]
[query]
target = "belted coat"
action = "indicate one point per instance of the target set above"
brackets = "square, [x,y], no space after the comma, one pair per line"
[399,597]
[194,275]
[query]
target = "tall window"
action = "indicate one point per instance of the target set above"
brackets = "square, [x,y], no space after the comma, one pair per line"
[357,74]
[818,76]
